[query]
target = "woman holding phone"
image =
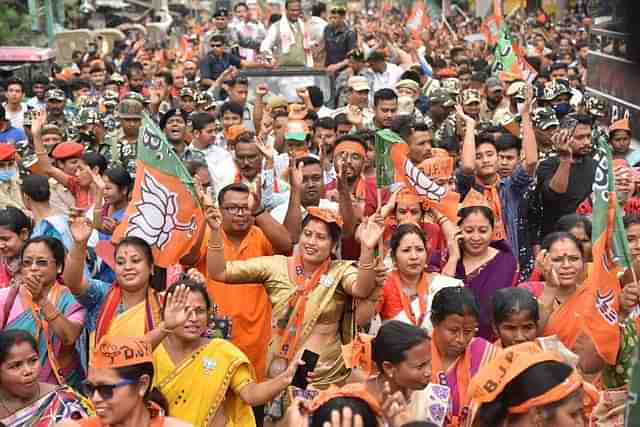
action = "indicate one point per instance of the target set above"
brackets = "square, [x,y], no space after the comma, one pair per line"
[311,293]
[482,264]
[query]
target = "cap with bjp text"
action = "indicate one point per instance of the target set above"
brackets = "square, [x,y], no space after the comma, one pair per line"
[67,150]
[117,352]
[622,124]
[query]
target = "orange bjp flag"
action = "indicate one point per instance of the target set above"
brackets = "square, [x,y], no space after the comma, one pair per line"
[164,210]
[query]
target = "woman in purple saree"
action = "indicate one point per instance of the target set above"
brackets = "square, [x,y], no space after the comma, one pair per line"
[484,266]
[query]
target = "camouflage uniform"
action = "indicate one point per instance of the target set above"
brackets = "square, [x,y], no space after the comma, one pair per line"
[109,120]
[543,118]
[448,127]
[125,152]
[597,109]
[90,116]
[66,121]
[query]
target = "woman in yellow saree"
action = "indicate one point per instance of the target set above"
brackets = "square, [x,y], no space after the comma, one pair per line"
[209,382]
[128,307]
[311,294]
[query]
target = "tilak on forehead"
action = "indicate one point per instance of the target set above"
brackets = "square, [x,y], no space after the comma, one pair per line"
[350,147]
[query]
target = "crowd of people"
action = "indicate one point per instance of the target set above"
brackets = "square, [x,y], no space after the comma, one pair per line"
[462,294]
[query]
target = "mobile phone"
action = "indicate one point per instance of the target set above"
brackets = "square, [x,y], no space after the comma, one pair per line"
[310,361]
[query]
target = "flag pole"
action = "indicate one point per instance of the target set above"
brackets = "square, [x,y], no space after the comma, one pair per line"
[381,241]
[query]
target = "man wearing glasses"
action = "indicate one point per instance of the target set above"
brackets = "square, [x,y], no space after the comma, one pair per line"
[339,40]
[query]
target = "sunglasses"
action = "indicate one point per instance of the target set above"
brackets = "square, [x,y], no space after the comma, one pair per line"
[215,46]
[104,390]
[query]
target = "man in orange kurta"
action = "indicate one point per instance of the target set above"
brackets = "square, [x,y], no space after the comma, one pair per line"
[248,305]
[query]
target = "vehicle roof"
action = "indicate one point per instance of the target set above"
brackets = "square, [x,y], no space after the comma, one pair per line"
[25,54]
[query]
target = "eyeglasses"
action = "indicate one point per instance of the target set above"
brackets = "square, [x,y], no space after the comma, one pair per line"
[41,263]
[104,390]
[237,210]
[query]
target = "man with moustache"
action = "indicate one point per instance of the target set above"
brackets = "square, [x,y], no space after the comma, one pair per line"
[307,189]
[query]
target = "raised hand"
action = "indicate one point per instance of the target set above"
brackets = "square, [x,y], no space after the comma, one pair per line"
[467,119]
[39,119]
[355,116]
[80,226]
[261,90]
[295,173]
[213,217]
[176,312]
[267,151]
[562,143]
[195,275]
[395,408]
[629,299]
[371,231]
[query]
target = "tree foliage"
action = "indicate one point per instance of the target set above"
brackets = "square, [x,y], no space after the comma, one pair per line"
[15,26]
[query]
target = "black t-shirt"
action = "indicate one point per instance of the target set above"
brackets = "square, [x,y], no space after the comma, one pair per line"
[556,205]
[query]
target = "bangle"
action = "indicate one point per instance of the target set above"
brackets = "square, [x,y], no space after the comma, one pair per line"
[215,246]
[55,316]
[367,266]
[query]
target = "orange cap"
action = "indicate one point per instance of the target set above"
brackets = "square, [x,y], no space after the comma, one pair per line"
[116,352]
[325,215]
[622,124]
[234,132]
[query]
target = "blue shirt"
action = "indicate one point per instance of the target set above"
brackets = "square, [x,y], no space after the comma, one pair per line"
[15,136]
[511,191]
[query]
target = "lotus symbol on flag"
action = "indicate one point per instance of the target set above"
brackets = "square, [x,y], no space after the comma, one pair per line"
[156,217]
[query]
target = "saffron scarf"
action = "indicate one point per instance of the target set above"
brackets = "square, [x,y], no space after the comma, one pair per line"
[421,288]
[42,325]
[110,307]
[463,376]
[289,328]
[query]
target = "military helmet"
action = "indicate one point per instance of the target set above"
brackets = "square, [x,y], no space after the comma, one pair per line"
[188,92]
[452,86]
[130,109]
[110,98]
[135,96]
[596,107]
[55,95]
[544,117]
[88,116]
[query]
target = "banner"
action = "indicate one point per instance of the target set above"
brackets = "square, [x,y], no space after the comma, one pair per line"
[510,63]
[163,210]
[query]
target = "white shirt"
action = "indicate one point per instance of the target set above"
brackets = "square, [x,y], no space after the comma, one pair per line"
[325,112]
[388,79]
[316,26]
[280,212]
[16,118]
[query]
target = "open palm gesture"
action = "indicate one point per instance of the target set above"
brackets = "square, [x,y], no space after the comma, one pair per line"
[176,312]
[371,231]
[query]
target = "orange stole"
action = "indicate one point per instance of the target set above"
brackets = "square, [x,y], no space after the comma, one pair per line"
[247,304]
